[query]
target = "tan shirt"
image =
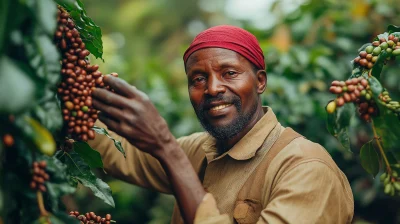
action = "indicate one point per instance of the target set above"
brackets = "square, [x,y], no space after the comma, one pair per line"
[302,184]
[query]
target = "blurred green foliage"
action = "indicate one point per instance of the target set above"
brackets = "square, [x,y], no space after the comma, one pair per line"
[307,45]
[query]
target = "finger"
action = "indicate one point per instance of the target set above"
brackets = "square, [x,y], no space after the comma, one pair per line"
[111,124]
[109,98]
[120,86]
[112,111]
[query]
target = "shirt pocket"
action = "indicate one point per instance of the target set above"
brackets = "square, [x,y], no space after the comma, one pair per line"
[247,211]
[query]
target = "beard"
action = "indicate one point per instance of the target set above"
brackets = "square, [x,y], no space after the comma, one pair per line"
[230,130]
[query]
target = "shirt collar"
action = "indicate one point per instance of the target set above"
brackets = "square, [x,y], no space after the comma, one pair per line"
[246,147]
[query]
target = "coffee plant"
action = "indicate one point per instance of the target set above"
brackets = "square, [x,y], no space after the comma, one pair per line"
[46,112]
[363,94]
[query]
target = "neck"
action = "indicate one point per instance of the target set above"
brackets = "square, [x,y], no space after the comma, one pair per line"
[226,144]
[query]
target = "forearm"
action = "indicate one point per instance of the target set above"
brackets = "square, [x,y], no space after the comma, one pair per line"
[184,181]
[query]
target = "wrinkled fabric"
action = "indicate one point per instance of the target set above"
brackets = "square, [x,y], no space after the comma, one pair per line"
[231,38]
[302,184]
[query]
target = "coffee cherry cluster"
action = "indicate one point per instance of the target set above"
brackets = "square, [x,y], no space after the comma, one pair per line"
[391,182]
[355,90]
[79,79]
[393,106]
[369,56]
[91,217]
[39,176]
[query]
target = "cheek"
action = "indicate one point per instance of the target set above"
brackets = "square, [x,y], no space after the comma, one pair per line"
[195,96]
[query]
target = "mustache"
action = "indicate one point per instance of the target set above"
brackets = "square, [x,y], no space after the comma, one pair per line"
[235,100]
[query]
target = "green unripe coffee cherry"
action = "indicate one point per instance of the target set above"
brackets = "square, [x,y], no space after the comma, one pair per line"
[374,59]
[396,52]
[367,96]
[377,51]
[386,181]
[396,185]
[389,50]
[363,92]
[73,113]
[369,49]
[390,43]
[85,109]
[388,188]
[384,45]
[344,88]
[383,176]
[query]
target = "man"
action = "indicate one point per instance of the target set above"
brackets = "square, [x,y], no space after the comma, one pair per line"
[246,168]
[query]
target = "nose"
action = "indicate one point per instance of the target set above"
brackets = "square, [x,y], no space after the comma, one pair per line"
[214,86]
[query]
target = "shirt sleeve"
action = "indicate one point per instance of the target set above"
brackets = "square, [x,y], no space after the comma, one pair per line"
[141,168]
[310,192]
[138,168]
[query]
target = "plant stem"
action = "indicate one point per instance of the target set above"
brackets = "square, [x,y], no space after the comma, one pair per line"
[377,138]
[39,196]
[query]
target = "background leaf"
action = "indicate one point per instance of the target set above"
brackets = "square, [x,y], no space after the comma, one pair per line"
[369,158]
[338,123]
[44,58]
[91,157]
[17,91]
[378,65]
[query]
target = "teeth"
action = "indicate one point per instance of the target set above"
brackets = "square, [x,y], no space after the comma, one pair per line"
[220,107]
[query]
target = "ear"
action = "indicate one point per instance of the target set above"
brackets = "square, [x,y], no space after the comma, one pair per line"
[261,81]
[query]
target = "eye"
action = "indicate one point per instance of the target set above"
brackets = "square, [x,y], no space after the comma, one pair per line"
[231,73]
[198,79]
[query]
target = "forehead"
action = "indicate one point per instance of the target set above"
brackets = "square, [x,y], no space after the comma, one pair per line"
[214,57]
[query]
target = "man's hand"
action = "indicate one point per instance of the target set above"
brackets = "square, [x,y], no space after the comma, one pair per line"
[130,113]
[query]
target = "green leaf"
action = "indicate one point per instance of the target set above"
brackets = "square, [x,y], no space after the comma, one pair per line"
[91,157]
[392,28]
[343,137]
[17,90]
[369,158]
[57,186]
[387,127]
[376,87]
[78,170]
[116,142]
[378,65]
[44,58]
[338,123]
[49,115]
[89,31]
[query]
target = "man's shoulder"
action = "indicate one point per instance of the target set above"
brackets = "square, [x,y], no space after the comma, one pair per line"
[192,144]
[302,151]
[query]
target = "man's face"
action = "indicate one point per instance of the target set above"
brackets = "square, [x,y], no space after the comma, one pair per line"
[224,90]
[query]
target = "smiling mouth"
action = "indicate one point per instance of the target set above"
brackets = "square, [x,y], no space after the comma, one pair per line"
[219,107]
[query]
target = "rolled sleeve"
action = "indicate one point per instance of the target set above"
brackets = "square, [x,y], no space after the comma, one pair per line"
[138,167]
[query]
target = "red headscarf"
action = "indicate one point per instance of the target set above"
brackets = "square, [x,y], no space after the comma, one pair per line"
[231,38]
